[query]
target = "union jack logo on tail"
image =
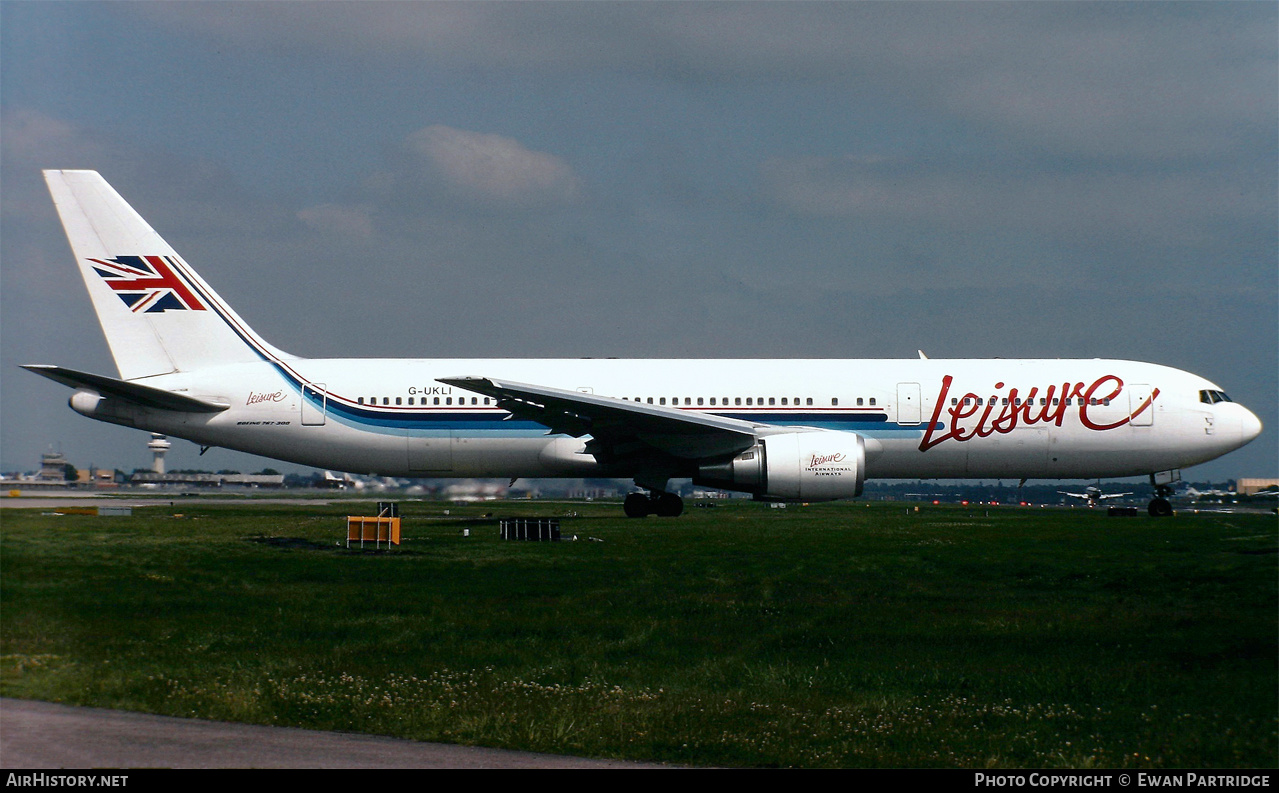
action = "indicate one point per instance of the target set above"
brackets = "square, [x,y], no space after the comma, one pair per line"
[147,284]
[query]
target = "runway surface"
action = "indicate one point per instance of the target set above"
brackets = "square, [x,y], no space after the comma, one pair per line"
[42,735]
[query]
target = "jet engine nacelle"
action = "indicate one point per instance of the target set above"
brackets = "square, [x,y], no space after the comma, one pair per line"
[818,465]
[88,402]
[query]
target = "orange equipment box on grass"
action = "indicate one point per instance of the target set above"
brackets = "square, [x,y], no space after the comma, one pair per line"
[376,530]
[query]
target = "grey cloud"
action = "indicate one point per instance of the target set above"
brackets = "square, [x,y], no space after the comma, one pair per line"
[1148,80]
[492,167]
[1160,207]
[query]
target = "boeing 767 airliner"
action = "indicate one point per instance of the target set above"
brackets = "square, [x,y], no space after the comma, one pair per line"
[785,430]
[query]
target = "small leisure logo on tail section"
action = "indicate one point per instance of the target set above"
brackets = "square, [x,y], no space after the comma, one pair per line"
[147,284]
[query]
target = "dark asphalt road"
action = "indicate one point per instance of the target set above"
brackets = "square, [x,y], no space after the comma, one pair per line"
[42,735]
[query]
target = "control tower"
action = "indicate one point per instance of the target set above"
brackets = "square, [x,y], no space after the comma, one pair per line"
[159,445]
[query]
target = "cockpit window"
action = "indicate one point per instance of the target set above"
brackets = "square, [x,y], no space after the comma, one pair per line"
[1209,397]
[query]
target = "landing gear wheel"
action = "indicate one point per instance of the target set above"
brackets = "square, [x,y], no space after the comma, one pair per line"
[636,505]
[668,505]
[1160,508]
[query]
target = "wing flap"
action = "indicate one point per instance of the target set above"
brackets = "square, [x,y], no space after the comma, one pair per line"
[613,422]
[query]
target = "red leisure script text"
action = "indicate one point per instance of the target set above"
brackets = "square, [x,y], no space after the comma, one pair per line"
[1051,410]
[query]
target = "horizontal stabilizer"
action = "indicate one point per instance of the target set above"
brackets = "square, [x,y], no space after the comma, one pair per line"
[142,395]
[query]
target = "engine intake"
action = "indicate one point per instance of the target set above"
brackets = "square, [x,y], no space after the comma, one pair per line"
[818,465]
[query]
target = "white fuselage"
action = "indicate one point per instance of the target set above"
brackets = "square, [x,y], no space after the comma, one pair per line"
[920,418]
[192,368]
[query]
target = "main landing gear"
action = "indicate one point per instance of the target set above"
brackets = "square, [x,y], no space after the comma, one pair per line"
[664,505]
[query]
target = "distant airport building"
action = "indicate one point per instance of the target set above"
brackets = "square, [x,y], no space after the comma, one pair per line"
[53,474]
[152,479]
[1248,487]
[99,478]
[53,469]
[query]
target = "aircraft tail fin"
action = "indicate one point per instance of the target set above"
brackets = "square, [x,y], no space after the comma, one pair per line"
[158,315]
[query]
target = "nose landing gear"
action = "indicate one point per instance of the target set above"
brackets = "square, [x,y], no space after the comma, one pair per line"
[1160,506]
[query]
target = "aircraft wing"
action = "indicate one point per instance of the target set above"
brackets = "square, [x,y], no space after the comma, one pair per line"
[143,395]
[1105,496]
[618,427]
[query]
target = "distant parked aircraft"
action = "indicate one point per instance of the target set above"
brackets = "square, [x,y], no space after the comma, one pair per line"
[1093,495]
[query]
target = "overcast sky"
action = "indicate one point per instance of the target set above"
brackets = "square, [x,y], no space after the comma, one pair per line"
[657,180]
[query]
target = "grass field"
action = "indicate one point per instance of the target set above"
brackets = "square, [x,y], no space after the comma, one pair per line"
[834,635]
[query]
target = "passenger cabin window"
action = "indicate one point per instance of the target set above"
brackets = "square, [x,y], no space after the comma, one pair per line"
[834,402]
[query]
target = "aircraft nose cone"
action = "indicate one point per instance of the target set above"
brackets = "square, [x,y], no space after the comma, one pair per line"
[1250,425]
